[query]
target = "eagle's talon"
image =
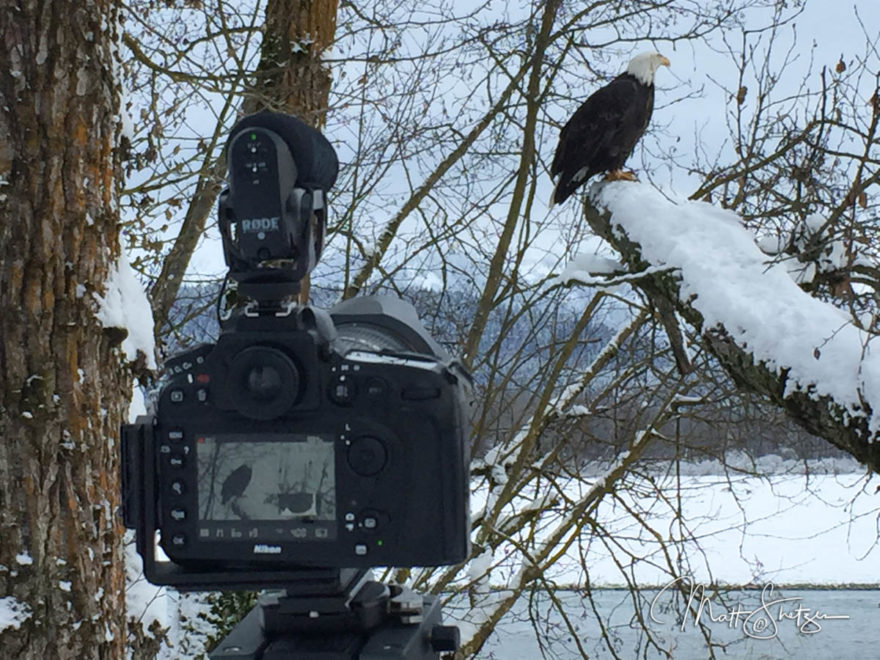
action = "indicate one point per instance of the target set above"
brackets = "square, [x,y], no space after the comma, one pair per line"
[620,175]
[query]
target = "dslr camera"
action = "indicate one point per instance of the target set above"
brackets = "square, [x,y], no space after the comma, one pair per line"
[304,438]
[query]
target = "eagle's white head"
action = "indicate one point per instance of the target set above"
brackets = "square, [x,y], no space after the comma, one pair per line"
[643,66]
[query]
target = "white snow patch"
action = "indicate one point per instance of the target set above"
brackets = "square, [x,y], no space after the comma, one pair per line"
[138,405]
[127,129]
[125,305]
[479,566]
[12,613]
[24,559]
[143,601]
[593,264]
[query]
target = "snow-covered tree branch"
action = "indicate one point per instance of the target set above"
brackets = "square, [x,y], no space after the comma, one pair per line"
[772,337]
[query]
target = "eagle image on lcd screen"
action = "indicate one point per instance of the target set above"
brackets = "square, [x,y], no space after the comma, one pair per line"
[289,478]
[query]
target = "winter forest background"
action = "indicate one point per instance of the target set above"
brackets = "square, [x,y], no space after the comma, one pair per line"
[608,366]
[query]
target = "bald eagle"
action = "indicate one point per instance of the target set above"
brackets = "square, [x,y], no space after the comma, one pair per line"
[601,135]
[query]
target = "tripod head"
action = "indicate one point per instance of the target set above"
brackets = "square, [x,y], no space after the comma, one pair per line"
[340,615]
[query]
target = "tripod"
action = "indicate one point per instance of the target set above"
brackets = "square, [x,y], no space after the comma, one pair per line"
[340,615]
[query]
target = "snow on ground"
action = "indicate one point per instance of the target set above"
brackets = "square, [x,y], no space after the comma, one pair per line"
[735,285]
[784,530]
[739,529]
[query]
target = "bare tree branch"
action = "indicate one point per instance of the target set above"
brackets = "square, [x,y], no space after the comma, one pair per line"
[820,415]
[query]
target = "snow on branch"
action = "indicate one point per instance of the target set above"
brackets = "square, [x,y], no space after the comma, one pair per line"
[771,337]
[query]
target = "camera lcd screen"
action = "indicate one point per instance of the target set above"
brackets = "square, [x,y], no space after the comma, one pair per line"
[280,488]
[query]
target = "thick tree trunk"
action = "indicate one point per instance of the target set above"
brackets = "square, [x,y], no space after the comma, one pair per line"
[63,387]
[291,76]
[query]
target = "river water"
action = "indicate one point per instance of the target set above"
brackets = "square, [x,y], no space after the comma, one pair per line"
[761,624]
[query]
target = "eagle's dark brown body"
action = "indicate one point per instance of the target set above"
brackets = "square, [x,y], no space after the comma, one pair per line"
[603,132]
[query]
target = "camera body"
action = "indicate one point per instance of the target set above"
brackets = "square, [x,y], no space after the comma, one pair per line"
[304,440]
[276,448]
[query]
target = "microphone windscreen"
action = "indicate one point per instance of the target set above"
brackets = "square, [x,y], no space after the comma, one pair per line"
[313,154]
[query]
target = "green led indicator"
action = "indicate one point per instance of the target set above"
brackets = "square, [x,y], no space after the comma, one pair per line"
[253,136]
[379,542]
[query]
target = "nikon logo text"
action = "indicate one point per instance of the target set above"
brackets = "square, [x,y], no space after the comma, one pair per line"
[259,224]
[264,549]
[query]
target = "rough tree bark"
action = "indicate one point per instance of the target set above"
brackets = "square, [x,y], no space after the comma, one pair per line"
[291,78]
[819,415]
[63,385]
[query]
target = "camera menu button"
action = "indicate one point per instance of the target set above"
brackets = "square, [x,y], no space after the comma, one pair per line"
[360,549]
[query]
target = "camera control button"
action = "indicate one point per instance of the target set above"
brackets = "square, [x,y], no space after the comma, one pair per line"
[370,520]
[178,487]
[202,395]
[178,514]
[367,455]
[177,395]
[360,549]
[343,390]
[178,540]
[177,460]
[376,388]
[175,435]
